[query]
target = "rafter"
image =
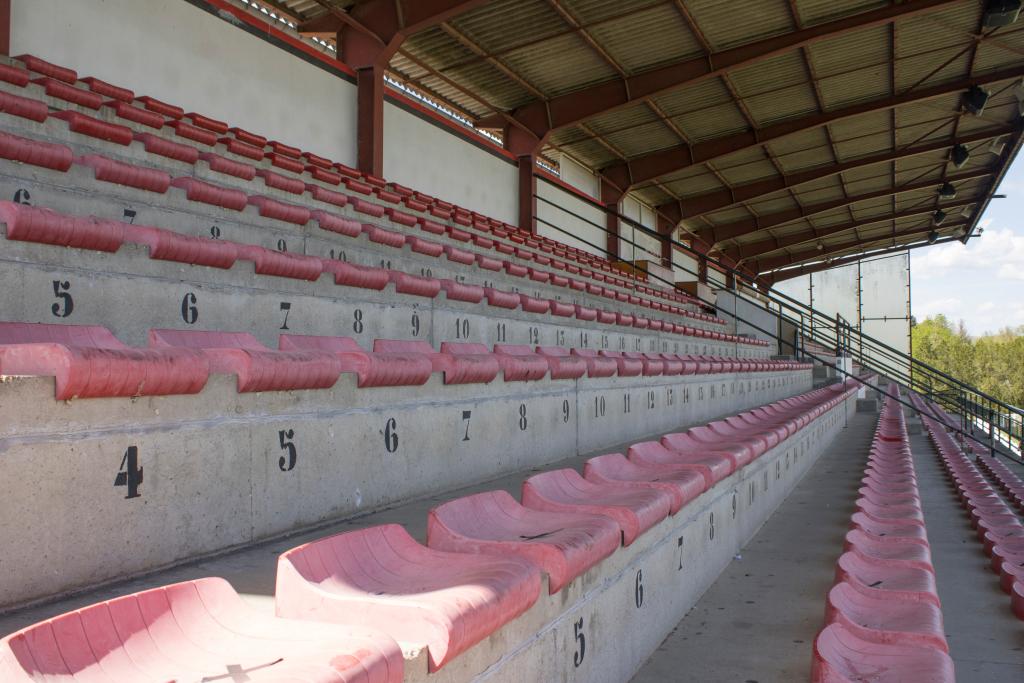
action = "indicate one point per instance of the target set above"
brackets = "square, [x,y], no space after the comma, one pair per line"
[757,249]
[777,276]
[727,231]
[774,262]
[657,164]
[690,207]
[543,117]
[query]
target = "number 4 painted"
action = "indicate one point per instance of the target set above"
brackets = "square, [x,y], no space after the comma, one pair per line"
[130,474]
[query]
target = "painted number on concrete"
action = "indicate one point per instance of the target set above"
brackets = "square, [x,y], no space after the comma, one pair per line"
[22,196]
[581,643]
[466,415]
[501,332]
[190,309]
[287,462]
[638,590]
[735,503]
[711,526]
[357,321]
[599,406]
[129,216]
[522,417]
[65,304]
[462,328]
[215,232]
[390,435]
[679,542]
[565,410]
[286,308]
[130,474]
[415,324]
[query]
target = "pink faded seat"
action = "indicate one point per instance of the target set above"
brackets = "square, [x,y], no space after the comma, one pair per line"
[701,438]
[90,362]
[560,364]
[563,544]
[904,531]
[373,369]
[885,548]
[896,579]
[460,369]
[519,363]
[635,510]
[45,226]
[257,367]
[714,467]
[627,367]
[382,578]
[1017,599]
[615,469]
[874,617]
[597,366]
[899,513]
[194,631]
[35,152]
[166,245]
[840,656]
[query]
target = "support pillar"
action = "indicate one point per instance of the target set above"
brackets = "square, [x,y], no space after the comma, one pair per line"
[702,269]
[528,193]
[370,120]
[610,198]
[665,227]
[5,27]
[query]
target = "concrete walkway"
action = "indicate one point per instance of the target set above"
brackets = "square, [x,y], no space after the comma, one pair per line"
[758,621]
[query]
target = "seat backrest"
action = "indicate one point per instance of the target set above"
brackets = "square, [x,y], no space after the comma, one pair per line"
[87,336]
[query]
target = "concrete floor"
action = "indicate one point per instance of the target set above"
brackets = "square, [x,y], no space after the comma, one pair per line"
[757,623]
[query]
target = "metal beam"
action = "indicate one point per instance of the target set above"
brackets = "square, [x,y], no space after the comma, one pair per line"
[727,231]
[790,273]
[755,249]
[690,207]
[543,117]
[5,27]
[783,260]
[657,164]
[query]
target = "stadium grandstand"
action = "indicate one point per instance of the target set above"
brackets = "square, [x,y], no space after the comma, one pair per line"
[499,340]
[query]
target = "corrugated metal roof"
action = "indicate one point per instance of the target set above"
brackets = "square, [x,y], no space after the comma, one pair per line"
[667,38]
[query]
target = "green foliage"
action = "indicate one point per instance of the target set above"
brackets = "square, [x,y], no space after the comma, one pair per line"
[993,362]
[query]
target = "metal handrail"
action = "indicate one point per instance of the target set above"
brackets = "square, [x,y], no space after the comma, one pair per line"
[837,333]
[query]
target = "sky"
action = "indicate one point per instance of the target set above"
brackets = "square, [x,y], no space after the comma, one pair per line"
[981,283]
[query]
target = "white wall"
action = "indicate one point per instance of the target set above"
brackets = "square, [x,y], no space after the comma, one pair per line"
[636,244]
[183,55]
[589,229]
[429,158]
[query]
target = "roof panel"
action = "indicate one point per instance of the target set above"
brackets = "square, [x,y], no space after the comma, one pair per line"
[726,24]
[647,38]
[503,25]
[813,12]
[560,65]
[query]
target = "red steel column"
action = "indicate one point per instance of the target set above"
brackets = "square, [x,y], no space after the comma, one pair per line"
[527,193]
[5,27]
[370,121]
[610,198]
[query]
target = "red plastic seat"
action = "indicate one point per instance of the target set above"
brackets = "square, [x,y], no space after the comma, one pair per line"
[714,467]
[45,226]
[257,367]
[194,631]
[597,366]
[840,656]
[884,548]
[635,510]
[90,362]
[519,363]
[560,364]
[896,579]
[1017,599]
[373,369]
[464,368]
[627,367]
[702,439]
[874,617]
[165,245]
[682,484]
[382,578]
[35,152]
[563,544]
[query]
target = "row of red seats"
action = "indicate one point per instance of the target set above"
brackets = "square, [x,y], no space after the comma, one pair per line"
[1006,479]
[89,361]
[61,83]
[481,568]
[883,618]
[999,527]
[45,226]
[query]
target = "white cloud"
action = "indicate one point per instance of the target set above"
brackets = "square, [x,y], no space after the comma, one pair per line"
[999,252]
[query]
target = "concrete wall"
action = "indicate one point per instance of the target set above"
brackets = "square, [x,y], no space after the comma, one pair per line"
[178,53]
[423,155]
[637,244]
[761,322]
